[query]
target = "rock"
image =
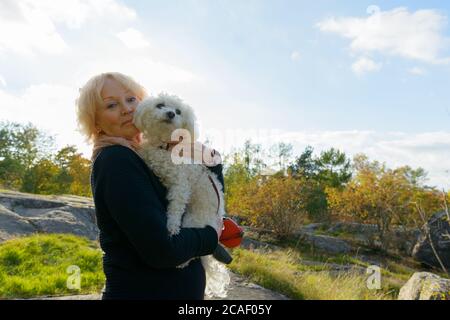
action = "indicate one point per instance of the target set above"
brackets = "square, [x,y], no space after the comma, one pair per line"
[241,289]
[12,225]
[399,239]
[310,228]
[251,244]
[326,243]
[440,236]
[64,221]
[425,286]
[353,227]
[23,214]
[403,240]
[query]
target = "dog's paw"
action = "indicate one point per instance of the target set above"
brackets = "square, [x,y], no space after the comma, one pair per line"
[173,230]
[173,224]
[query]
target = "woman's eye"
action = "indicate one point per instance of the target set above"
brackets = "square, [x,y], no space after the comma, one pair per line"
[132,99]
[178,111]
[111,105]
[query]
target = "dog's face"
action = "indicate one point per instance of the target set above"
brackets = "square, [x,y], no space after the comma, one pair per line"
[157,117]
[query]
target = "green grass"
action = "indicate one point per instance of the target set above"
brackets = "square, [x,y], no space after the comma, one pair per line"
[37,266]
[395,269]
[283,272]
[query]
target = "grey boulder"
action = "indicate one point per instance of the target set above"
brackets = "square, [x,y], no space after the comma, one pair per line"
[425,286]
[24,214]
[439,228]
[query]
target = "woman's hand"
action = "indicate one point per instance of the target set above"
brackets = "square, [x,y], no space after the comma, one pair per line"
[199,153]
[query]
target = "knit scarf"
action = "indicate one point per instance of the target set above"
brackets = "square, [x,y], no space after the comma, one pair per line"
[104,140]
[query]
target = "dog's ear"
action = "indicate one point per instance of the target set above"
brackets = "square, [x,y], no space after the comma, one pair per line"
[190,121]
[142,115]
[137,117]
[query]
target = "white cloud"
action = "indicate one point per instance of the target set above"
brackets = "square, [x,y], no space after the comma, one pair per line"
[29,26]
[73,13]
[414,35]
[152,73]
[133,39]
[50,107]
[295,56]
[2,81]
[417,71]
[364,65]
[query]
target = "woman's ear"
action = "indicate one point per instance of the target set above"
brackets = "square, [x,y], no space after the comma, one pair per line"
[98,129]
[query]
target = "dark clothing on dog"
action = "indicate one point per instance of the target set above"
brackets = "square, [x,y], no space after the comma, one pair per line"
[140,258]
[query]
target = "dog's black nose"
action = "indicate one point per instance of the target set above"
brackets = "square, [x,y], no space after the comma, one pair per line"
[170,114]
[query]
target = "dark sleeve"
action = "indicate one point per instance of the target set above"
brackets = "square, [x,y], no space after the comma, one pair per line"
[218,170]
[122,180]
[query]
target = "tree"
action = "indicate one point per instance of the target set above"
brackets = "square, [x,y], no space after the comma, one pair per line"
[334,169]
[40,178]
[74,171]
[237,178]
[11,173]
[80,172]
[253,157]
[305,165]
[63,160]
[316,202]
[277,204]
[18,152]
[331,168]
[379,195]
[281,153]
[27,163]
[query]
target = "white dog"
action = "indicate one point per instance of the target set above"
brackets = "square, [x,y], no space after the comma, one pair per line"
[192,189]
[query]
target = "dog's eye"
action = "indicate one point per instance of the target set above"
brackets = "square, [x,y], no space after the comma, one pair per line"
[178,111]
[160,105]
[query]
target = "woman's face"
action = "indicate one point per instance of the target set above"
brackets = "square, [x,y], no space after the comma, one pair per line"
[114,116]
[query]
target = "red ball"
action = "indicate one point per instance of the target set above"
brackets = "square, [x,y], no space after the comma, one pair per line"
[232,234]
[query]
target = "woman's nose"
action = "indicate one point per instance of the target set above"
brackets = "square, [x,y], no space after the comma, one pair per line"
[128,109]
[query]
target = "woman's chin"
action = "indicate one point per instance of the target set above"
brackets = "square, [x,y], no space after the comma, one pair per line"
[129,134]
[132,130]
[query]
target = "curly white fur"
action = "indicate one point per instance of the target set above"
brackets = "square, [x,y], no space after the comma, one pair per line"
[189,189]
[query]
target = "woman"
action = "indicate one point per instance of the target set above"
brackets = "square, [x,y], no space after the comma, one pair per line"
[140,258]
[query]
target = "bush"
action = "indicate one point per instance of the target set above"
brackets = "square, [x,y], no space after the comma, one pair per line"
[275,203]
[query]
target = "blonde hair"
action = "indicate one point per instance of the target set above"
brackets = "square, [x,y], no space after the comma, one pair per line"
[90,99]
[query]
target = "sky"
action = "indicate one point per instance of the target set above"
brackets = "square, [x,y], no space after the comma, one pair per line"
[361,76]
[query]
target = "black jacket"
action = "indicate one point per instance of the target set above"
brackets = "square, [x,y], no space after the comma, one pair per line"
[140,258]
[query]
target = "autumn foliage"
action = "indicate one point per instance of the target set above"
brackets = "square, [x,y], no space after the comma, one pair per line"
[328,188]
